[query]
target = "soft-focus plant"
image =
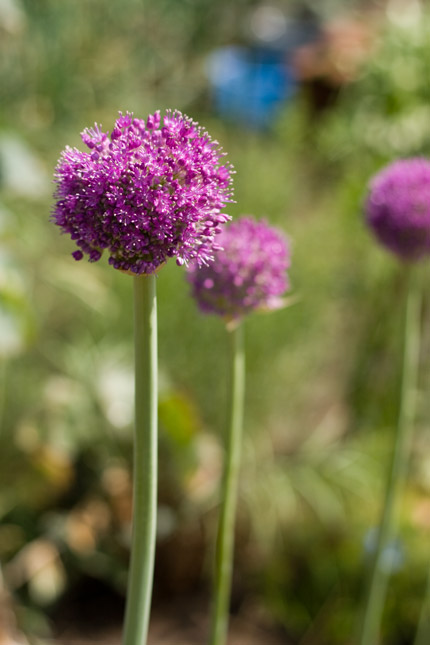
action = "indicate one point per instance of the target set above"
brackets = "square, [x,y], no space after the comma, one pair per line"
[398,213]
[385,112]
[248,274]
[146,192]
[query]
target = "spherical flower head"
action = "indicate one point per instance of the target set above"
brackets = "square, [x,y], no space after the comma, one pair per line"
[249,271]
[148,191]
[398,208]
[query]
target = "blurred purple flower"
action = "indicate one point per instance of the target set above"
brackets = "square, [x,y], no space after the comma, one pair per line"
[398,207]
[248,273]
[147,192]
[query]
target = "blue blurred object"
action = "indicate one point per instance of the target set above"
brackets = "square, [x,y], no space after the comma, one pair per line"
[393,556]
[249,85]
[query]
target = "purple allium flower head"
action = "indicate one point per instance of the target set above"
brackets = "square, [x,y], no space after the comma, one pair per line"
[398,208]
[146,192]
[249,271]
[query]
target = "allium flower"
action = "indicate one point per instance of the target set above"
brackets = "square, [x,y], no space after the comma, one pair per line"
[146,192]
[398,208]
[248,273]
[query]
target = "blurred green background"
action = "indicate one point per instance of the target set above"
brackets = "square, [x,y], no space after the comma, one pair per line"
[322,375]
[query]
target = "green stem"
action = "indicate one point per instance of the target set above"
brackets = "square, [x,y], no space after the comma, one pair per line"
[423,631]
[225,537]
[375,598]
[3,384]
[145,463]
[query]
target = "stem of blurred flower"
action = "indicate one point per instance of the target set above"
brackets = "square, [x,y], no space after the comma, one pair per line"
[375,597]
[225,537]
[423,631]
[3,374]
[145,463]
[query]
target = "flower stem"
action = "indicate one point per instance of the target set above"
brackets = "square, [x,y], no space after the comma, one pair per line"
[375,598]
[225,536]
[145,463]
[422,636]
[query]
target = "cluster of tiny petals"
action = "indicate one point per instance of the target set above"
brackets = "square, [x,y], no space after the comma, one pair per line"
[148,191]
[398,208]
[249,271]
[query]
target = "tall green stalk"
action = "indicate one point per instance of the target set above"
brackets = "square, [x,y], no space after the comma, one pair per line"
[375,598]
[225,536]
[422,636]
[145,463]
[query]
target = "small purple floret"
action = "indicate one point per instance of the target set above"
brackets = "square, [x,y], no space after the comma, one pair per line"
[398,208]
[249,271]
[150,191]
